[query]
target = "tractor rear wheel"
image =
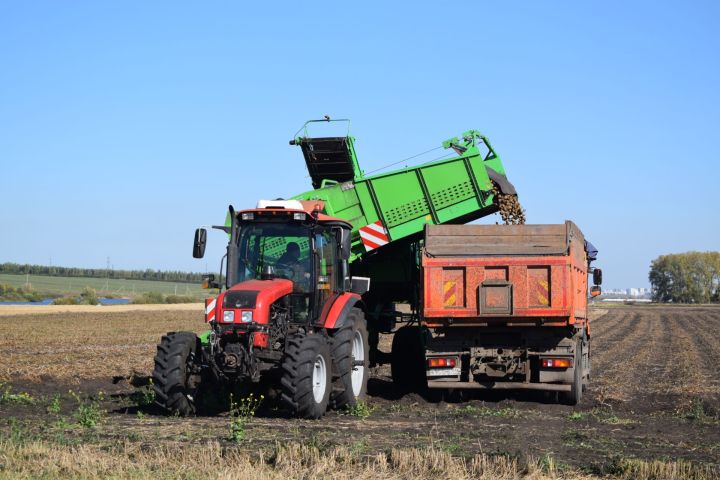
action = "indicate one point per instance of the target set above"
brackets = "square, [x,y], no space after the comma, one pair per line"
[349,348]
[408,360]
[175,379]
[306,375]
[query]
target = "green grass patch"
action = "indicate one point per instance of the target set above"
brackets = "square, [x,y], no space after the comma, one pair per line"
[21,293]
[7,397]
[157,298]
[483,411]
[88,413]
[43,286]
[615,420]
[55,405]
[577,416]
[361,409]
[699,412]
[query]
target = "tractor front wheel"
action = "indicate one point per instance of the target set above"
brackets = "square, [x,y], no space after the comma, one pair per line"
[306,375]
[175,377]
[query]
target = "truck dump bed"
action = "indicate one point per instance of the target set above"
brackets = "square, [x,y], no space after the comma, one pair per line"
[504,274]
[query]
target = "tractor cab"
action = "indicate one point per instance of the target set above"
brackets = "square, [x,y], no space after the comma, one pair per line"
[288,246]
[290,240]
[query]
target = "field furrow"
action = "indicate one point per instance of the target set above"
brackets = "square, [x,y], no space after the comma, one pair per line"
[615,360]
[606,323]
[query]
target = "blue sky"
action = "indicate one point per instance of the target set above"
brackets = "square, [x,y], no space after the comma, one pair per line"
[123,125]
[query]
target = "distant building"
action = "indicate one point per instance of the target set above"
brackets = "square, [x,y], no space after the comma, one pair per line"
[625,293]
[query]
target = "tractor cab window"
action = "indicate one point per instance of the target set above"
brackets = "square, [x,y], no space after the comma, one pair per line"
[282,247]
[326,265]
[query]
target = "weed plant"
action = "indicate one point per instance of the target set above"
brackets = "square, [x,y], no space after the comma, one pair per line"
[55,405]
[7,397]
[361,409]
[241,413]
[88,413]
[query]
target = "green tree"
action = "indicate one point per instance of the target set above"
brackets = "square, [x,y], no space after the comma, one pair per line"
[692,277]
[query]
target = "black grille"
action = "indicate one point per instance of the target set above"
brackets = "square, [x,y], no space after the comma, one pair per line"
[240,299]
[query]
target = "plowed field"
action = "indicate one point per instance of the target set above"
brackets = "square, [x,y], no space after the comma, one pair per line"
[654,395]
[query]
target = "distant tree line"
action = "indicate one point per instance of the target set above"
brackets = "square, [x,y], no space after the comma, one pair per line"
[149,274]
[692,277]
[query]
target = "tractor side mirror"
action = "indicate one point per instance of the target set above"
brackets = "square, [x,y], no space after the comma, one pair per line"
[595,291]
[200,243]
[597,276]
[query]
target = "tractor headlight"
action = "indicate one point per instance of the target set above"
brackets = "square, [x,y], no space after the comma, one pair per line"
[229,316]
[246,317]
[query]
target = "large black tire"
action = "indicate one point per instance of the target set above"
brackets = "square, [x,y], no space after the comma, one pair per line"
[349,349]
[306,375]
[574,396]
[408,360]
[175,383]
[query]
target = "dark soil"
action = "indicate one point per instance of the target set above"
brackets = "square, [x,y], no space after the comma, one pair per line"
[643,401]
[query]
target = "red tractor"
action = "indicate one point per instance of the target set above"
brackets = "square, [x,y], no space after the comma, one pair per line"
[290,312]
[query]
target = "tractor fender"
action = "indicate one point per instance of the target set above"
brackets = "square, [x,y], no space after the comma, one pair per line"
[503,183]
[337,313]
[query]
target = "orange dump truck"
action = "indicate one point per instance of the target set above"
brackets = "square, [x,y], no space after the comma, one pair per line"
[503,307]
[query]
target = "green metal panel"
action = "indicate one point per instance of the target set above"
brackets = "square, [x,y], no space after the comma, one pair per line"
[445,191]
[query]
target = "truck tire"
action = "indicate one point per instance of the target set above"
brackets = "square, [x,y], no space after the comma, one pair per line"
[306,375]
[574,396]
[408,360]
[349,349]
[174,379]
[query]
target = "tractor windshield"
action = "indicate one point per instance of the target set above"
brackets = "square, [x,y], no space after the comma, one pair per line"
[283,246]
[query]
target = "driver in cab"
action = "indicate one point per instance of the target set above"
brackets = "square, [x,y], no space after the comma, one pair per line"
[290,262]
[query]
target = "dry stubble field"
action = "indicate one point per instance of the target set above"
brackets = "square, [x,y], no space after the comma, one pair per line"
[652,411]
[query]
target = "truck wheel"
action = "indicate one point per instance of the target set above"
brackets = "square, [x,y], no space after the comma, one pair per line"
[349,348]
[175,379]
[408,360]
[574,396]
[306,376]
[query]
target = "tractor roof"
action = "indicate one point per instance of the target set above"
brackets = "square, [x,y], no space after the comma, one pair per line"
[309,207]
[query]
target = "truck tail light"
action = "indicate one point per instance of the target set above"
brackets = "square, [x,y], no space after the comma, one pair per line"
[442,362]
[556,362]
